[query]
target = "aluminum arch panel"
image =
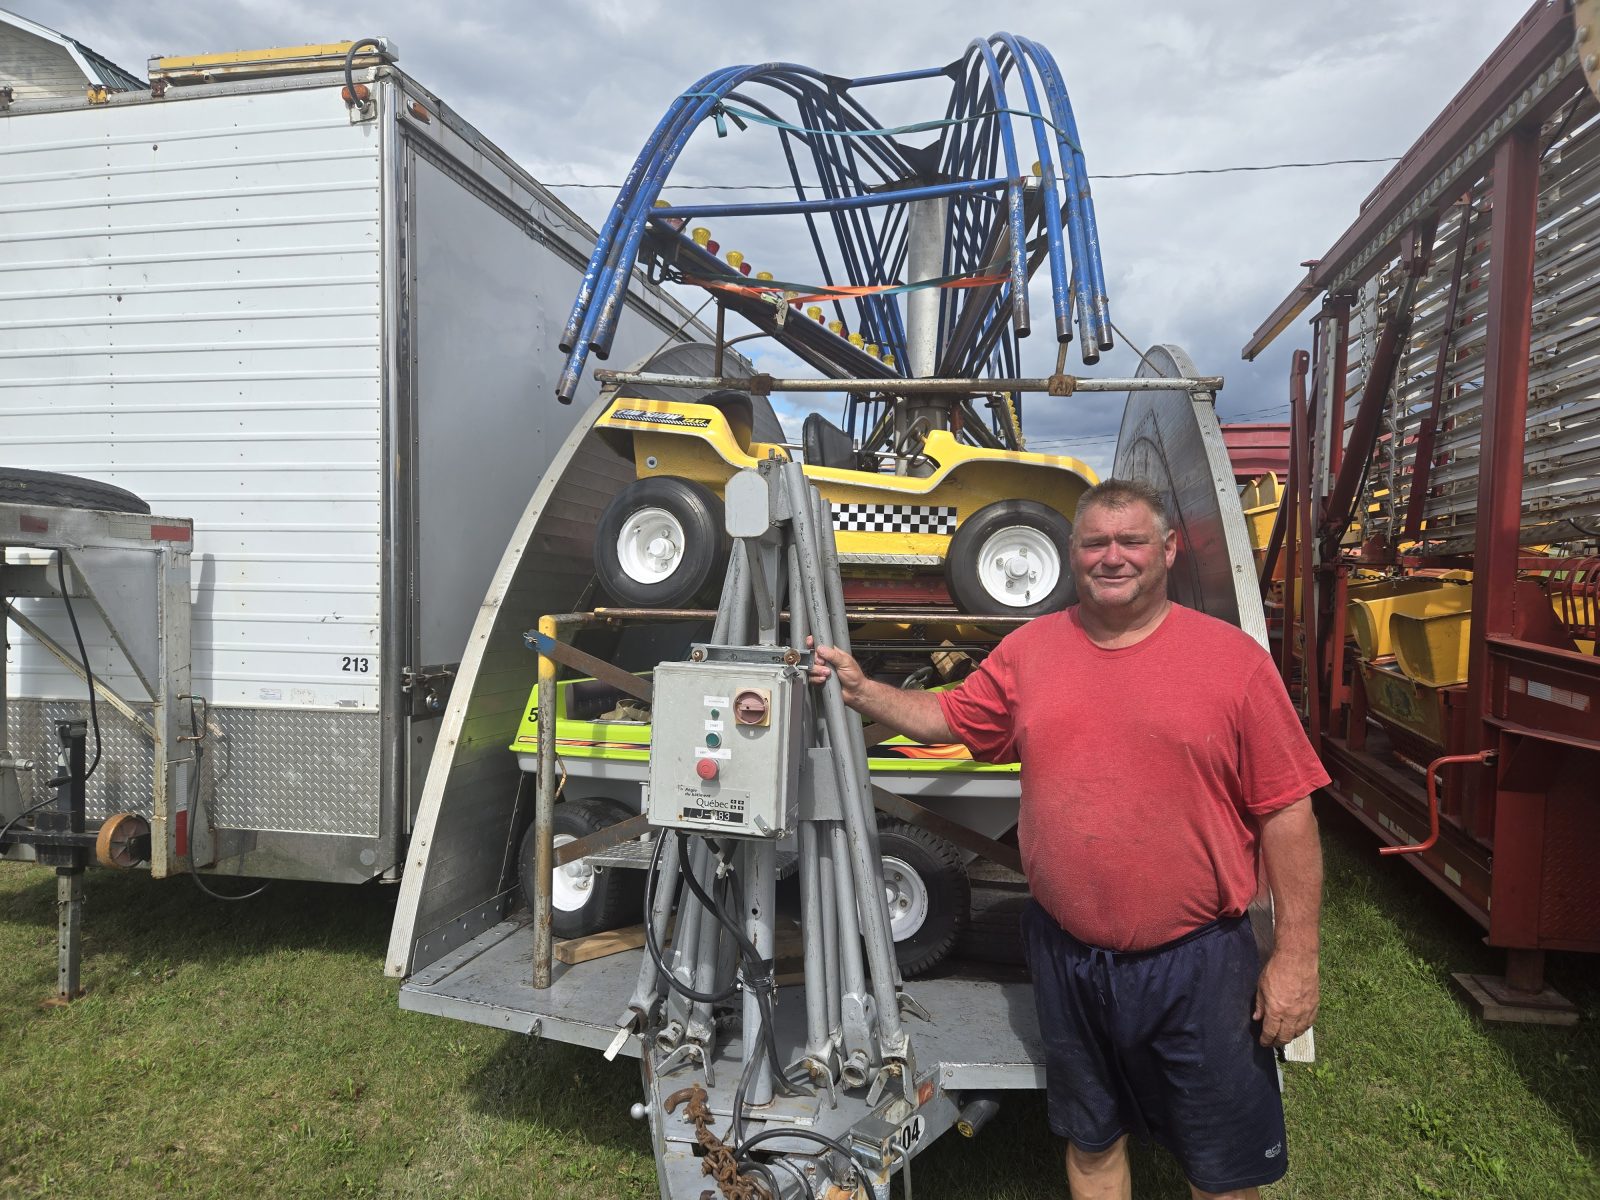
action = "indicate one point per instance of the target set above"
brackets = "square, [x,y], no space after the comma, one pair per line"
[1172,441]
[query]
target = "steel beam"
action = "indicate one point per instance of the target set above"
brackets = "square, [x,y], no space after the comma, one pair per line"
[1513,221]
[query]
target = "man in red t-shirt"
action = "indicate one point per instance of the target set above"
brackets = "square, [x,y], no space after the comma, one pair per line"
[1161,761]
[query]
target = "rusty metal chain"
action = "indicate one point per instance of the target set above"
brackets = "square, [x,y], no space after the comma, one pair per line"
[718,1161]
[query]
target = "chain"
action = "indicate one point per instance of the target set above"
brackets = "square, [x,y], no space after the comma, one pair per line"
[718,1161]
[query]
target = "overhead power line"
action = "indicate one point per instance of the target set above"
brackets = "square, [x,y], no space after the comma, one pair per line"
[789,187]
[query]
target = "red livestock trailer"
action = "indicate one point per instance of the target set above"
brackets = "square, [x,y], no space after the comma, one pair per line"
[1442,508]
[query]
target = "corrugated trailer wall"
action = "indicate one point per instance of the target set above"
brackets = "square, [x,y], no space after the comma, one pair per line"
[190,309]
[328,342]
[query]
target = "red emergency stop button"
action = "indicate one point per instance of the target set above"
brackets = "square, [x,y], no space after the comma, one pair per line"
[706,768]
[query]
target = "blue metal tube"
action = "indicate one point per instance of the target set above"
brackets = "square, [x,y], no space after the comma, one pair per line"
[1014,199]
[599,323]
[1052,204]
[625,212]
[602,244]
[897,77]
[1092,275]
[834,204]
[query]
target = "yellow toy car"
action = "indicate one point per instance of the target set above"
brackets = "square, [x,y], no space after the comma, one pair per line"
[985,528]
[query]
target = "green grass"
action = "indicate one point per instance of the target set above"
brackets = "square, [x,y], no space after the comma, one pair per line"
[255,1049]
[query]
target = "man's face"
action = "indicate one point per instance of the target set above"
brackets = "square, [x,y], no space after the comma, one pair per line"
[1119,557]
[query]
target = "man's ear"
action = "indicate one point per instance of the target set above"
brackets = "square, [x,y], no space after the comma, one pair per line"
[1170,547]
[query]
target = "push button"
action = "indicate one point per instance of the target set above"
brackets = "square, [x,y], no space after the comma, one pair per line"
[706,768]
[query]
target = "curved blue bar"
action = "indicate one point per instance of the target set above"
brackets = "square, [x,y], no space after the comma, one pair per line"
[854,205]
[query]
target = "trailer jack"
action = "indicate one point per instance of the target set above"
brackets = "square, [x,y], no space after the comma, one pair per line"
[60,839]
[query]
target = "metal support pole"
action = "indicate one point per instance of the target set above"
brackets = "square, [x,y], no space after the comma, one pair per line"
[759,878]
[1310,656]
[544,854]
[1291,526]
[834,589]
[648,988]
[1509,328]
[69,932]
[857,807]
[1056,385]
[66,816]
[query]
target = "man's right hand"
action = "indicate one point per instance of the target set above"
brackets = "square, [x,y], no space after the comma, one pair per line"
[914,713]
[830,660]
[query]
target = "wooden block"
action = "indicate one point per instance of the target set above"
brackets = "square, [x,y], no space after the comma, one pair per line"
[599,945]
[1492,1001]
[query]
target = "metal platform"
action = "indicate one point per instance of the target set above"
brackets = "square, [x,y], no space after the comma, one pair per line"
[984,1034]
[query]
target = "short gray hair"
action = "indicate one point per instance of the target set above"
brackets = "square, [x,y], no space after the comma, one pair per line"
[1119,493]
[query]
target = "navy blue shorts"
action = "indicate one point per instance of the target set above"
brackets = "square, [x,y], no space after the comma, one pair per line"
[1160,1043]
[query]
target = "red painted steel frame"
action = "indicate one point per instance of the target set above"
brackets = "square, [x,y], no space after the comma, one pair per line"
[1516,839]
[1513,220]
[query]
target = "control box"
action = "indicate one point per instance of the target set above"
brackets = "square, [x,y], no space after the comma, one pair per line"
[725,747]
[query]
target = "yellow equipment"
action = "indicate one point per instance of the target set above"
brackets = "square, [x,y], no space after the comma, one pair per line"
[995,522]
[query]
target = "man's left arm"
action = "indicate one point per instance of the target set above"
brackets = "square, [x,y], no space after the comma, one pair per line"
[1288,989]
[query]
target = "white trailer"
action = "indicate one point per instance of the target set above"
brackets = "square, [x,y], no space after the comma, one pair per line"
[323,331]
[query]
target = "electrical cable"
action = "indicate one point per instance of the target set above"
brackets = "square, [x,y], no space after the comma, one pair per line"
[653,947]
[350,65]
[32,809]
[784,187]
[195,806]
[83,659]
[805,1182]
[761,986]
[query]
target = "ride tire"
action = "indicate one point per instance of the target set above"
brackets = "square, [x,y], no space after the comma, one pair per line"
[616,894]
[19,486]
[699,570]
[942,873]
[962,563]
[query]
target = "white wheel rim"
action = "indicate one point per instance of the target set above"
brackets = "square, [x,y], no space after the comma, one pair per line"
[572,885]
[650,546]
[907,895]
[1018,566]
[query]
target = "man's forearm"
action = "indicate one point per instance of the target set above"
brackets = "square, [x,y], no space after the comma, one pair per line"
[914,713]
[1292,854]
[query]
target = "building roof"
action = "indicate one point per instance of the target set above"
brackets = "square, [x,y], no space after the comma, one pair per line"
[28,65]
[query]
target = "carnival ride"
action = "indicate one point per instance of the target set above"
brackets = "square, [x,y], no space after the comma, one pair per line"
[924,253]
[680,481]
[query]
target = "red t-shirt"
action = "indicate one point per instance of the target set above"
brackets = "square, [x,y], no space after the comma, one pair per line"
[1143,769]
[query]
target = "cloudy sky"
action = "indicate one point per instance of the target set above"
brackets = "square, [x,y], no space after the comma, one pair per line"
[571,90]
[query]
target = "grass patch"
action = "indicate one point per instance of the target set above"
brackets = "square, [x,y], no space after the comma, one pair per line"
[256,1049]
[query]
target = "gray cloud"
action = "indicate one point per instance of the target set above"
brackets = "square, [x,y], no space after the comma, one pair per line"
[572,89]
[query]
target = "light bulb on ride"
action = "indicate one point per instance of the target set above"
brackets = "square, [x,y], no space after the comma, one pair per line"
[836,327]
[814,311]
[872,349]
[735,258]
[857,340]
[700,234]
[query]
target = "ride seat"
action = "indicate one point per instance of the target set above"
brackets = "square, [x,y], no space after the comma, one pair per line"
[826,445]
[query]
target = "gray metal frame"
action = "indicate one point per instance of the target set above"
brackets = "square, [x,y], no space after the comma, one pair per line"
[133,573]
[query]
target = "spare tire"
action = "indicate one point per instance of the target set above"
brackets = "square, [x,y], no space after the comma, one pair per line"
[19,486]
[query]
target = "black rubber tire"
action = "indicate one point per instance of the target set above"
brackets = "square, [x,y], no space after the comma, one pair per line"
[705,551]
[995,932]
[617,893]
[18,486]
[939,866]
[961,563]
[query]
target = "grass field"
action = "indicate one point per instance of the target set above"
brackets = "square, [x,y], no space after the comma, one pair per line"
[256,1049]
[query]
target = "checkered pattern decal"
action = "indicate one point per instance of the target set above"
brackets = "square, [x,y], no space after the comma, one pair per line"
[894,518]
